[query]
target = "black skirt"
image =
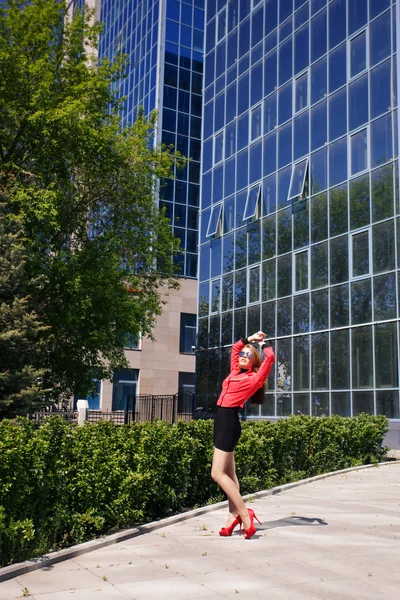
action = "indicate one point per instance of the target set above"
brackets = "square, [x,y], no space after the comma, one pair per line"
[227,428]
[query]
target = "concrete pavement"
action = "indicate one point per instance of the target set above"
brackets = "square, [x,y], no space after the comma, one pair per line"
[336,538]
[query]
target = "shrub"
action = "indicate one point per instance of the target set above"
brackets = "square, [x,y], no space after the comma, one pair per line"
[61,484]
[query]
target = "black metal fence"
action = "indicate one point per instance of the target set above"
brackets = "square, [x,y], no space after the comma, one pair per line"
[171,408]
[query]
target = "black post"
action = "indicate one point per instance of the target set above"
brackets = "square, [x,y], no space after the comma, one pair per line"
[174,397]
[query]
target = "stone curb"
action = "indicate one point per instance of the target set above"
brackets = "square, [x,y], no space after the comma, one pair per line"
[55,557]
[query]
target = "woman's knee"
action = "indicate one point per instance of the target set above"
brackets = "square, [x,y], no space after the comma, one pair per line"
[216,474]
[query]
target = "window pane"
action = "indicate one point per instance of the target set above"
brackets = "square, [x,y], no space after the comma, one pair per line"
[215,296]
[300,135]
[301,313]
[340,404]
[387,403]
[318,125]
[360,254]
[319,217]
[268,318]
[301,92]
[301,268]
[301,404]
[284,365]
[337,22]
[380,38]
[270,113]
[319,310]
[338,114]
[227,292]
[270,73]
[357,12]
[382,193]
[358,102]
[318,35]
[285,61]
[319,179]
[381,140]
[301,53]
[284,275]
[284,177]
[359,202]
[268,280]
[256,123]
[385,297]
[219,147]
[301,362]
[269,160]
[318,80]
[319,265]
[337,68]
[320,404]
[284,231]
[340,360]
[240,288]
[269,194]
[339,260]
[383,246]
[358,54]
[226,328]
[338,161]
[229,215]
[269,237]
[338,210]
[363,402]
[300,224]
[255,162]
[239,323]
[284,317]
[319,361]
[361,304]
[285,103]
[221,25]
[241,248]
[254,285]
[380,89]
[361,355]
[340,306]
[359,156]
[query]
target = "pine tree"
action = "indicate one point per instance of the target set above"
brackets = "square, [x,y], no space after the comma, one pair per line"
[20,329]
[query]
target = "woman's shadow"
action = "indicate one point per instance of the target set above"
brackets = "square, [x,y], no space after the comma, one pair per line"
[293,520]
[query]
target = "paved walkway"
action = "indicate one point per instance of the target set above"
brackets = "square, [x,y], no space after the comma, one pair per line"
[334,538]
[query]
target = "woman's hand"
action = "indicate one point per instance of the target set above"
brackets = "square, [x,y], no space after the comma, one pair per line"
[258,337]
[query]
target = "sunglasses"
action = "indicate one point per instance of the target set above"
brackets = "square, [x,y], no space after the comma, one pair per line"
[247,354]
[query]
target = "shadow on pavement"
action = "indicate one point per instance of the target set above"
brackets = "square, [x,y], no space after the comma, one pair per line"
[293,520]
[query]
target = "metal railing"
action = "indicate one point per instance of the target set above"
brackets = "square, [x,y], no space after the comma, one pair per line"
[170,408]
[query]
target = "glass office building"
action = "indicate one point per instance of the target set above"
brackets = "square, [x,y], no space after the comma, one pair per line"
[300,214]
[164,42]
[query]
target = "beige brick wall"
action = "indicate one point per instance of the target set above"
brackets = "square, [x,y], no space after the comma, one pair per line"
[160,362]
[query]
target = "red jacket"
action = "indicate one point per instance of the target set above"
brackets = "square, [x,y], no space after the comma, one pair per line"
[238,387]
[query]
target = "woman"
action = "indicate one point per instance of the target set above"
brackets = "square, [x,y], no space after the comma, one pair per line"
[247,375]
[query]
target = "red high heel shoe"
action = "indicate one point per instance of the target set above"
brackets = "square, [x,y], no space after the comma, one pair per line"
[251,530]
[227,531]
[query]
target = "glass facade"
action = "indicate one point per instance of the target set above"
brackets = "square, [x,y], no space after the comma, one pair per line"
[300,213]
[164,43]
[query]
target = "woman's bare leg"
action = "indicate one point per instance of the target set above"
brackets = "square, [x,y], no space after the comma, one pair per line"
[231,472]
[219,473]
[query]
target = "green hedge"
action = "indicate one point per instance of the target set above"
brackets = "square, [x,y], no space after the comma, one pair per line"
[61,484]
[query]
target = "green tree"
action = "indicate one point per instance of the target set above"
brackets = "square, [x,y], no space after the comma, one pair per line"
[20,329]
[83,190]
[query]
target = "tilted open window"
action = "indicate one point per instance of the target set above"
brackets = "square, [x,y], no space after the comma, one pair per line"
[214,224]
[298,188]
[252,207]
